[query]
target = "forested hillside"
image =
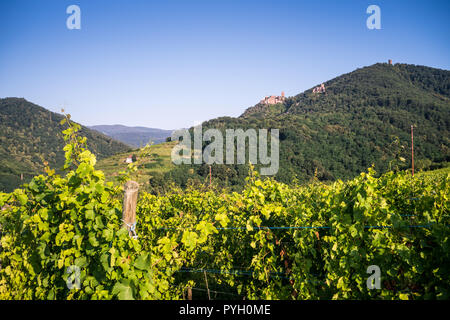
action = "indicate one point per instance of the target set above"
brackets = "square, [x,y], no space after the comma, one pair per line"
[363,118]
[30,135]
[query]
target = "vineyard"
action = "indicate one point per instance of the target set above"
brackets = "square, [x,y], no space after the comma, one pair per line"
[271,241]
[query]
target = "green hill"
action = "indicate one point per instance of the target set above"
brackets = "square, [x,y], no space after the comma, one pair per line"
[156,162]
[363,118]
[30,135]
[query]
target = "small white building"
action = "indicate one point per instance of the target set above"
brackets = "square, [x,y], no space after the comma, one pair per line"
[129,159]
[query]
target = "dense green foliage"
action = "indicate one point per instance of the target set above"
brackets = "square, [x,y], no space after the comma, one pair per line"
[56,222]
[362,119]
[30,135]
[271,241]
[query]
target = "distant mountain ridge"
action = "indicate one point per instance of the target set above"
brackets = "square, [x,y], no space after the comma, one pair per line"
[133,136]
[31,134]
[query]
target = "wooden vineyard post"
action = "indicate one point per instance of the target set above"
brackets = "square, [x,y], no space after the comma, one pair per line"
[131,189]
[207,287]
[412,149]
[189,290]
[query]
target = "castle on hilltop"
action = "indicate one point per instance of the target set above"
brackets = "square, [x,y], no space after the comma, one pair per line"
[319,89]
[273,99]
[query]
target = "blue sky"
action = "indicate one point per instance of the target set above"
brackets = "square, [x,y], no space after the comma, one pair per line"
[169,64]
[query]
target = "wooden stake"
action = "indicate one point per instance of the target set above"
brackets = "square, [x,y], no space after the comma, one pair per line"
[131,189]
[412,148]
[210,175]
[189,290]
[206,281]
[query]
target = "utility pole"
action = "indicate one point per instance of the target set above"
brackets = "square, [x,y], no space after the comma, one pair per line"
[412,148]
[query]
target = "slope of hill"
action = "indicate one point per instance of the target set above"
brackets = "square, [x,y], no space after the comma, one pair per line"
[30,135]
[155,163]
[363,118]
[133,136]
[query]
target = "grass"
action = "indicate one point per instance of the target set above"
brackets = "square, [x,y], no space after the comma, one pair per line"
[158,161]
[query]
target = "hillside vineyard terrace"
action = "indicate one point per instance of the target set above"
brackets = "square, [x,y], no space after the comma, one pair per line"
[258,149]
